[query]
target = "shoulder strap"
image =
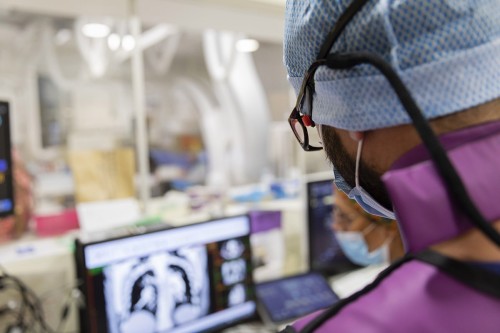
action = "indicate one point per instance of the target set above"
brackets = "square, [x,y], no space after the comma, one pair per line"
[475,277]
[327,314]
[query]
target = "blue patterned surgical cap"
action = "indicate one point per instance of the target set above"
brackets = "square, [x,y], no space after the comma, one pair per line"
[446,51]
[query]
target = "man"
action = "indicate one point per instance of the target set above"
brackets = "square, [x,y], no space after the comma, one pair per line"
[381,79]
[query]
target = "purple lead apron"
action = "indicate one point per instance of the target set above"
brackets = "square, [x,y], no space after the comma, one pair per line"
[425,291]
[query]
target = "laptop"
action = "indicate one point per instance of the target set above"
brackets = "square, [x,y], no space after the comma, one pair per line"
[194,278]
[284,300]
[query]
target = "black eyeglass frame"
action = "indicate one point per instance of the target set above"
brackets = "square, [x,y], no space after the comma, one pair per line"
[297,116]
[306,91]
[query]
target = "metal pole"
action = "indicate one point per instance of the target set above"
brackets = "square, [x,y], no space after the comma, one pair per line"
[138,88]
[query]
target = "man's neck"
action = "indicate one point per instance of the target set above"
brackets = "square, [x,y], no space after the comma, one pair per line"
[471,246]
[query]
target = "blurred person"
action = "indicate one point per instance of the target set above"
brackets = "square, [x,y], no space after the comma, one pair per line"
[406,97]
[364,238]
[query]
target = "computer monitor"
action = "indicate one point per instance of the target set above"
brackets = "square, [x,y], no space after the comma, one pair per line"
[325,255]
[6,183]
[195,278]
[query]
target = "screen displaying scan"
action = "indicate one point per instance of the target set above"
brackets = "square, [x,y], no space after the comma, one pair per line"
[196,278]
[293,297]
[325,254]
[6,185]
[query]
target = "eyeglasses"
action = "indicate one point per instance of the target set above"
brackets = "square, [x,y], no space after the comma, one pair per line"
[342,219]
[298,120]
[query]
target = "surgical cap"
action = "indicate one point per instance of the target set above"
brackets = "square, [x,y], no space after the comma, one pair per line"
[447,52]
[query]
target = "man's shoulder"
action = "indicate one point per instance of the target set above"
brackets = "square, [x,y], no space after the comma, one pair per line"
[416,297]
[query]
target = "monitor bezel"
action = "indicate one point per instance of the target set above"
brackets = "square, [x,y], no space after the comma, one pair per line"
[347,266]
[8,156]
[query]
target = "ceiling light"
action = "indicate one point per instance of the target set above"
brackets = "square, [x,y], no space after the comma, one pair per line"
[95,30]
[62,36]
[247,45]
[114,42]
[128,42]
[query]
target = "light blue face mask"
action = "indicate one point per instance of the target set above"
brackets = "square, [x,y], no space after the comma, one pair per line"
[363,198]
[354,246]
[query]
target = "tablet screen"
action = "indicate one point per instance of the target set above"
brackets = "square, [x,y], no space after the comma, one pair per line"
[293,297]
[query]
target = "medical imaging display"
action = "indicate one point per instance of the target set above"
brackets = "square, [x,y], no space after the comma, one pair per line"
[325,255]
[6,180]
[232,272]
[234,267]
[157,292]
[147,285]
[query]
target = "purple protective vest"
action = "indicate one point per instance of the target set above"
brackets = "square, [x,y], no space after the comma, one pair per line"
[418,295]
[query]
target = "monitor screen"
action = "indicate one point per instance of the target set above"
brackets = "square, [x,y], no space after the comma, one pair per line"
[325,255]
[290,298]
[6,184]
[195,278]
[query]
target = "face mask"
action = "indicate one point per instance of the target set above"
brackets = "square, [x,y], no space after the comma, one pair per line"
[340,182]
[354,246]
[363,198]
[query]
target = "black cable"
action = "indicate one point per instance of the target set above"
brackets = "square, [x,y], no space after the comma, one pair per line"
[7,283]
[332,311]
[430,140]
[345,18]
[64,312]
[66,306]
[30,309]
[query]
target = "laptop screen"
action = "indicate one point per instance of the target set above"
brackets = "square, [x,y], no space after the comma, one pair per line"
[325,255]
[195,278]
[290,298]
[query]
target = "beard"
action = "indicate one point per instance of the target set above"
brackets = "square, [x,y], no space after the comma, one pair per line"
[369,178]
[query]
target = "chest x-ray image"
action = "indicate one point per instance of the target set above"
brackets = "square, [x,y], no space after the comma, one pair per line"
[157,292]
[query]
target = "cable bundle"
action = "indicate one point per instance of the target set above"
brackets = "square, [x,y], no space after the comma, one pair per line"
[27,314]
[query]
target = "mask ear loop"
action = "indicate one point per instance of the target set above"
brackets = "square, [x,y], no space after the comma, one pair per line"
[369,228]
[372,227]
[390,239]
[358,158]
[320,134]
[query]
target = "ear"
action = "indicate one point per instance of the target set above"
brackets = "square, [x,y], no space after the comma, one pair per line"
[356,136]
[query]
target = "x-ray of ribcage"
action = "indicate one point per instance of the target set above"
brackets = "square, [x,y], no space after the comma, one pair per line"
[157,292]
